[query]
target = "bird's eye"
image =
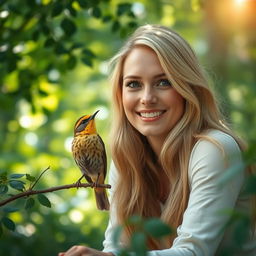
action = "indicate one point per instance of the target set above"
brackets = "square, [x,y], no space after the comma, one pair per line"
[85,121]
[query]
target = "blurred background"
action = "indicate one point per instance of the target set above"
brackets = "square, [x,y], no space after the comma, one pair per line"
[53,69]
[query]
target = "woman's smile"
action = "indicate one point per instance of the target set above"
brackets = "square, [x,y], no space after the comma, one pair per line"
[149,116]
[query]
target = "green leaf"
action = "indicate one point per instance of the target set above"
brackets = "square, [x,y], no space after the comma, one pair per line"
[135,220]
[43,200]
[49,42]
[16,176]
[116,26]
[72,11]
[60,49]
[36,35]
[250,185]
[3,189]
[1,229]
[68,26]
[42,93]
[96,12]
[3,176]
[116,235]
[88,53]
[10,209]
[29,203]
[57,9]
[123,8]
[138,243]
[17,184]
[83,3]
[241,227]
[76,46]
[71,63]
[8,223]
[45,29]
[87,61]
[30,178]
[156,228]
[132,24]
[107,18]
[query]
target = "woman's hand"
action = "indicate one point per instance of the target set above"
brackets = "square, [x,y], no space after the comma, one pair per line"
[79,250]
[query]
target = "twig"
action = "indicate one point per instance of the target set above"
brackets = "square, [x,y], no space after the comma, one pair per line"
[33,192]
[32,186]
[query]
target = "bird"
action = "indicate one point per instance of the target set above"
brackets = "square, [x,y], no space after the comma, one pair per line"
[90,156]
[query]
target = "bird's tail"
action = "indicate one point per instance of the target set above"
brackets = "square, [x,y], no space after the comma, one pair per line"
[101,199]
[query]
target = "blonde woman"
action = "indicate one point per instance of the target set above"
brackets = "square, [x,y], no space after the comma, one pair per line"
[170,148]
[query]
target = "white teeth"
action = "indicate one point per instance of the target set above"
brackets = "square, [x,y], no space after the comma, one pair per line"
[150,114]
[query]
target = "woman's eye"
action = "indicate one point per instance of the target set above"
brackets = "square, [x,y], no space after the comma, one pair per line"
[133,84]
[164,82]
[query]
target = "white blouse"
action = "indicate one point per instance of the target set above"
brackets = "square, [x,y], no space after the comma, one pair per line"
[200,233]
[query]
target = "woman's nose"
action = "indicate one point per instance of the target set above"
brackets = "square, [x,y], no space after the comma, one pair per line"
[148,96]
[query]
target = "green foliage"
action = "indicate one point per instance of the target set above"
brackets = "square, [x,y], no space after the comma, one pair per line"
[43,200]
[143,230]
[30,202]
[156,228]
[8,223]
[12,181]
[32,30]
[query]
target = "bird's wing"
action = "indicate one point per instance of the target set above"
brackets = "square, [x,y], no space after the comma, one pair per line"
[104,156]
[83,163]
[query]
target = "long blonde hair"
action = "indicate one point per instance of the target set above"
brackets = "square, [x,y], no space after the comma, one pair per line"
[138,186]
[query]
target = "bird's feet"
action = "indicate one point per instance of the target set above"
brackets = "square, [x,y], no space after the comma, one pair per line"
[78,183]
[95,183]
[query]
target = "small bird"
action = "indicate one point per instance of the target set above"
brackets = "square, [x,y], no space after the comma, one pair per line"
[90,155]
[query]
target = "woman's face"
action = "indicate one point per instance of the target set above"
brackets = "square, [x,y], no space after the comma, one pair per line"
[151,104]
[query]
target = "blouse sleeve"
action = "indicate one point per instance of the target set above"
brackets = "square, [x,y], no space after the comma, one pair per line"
[112,223]
[201,230]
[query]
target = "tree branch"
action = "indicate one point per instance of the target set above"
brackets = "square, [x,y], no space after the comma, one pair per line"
[33,192]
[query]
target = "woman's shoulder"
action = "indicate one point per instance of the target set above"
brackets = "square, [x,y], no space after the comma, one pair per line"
[217,140]
[215,148]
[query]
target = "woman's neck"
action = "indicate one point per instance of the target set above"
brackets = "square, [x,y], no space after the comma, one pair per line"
[156,144]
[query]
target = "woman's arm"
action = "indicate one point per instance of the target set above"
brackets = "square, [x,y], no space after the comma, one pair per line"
[201,231]
[78,250]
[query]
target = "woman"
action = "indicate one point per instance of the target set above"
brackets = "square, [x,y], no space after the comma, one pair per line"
[170,148]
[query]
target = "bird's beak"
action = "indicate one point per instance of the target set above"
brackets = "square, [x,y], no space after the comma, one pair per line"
[93,116]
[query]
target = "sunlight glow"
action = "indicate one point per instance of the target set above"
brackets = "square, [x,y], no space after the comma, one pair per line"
[240,2]
[54,75]
[103,114]
[31,138]
[236,96]
[4,14]
[27,230]
[26,121]
[32,121]
[76,216]
[138,9]
[68,144]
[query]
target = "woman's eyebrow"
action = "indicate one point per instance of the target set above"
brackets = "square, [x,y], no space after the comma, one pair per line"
[131,77]
[160,75]
[138,77]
